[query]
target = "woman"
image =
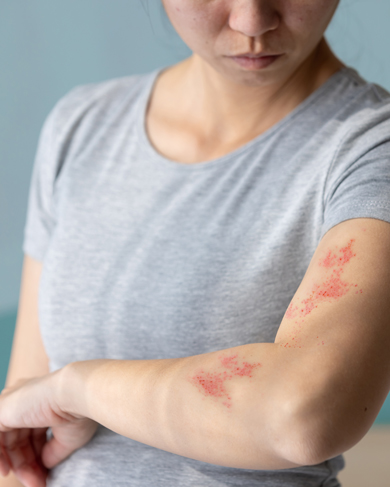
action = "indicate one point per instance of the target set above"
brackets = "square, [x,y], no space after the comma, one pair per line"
[213,239]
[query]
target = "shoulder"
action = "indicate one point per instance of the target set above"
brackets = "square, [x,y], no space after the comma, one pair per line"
[355,116]
[366,107]
[80,116]
[94,101]
[86,113]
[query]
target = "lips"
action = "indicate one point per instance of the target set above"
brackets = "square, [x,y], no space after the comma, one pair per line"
[254,62]
[256,56]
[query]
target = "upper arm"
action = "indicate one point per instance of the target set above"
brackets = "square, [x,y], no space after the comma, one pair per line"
[337,333]
[28,356]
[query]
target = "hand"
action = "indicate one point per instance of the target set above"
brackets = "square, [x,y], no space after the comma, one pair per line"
[21,453]
[27,409]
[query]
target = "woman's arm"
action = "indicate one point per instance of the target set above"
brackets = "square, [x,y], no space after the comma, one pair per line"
[28,358]
[309,396]
[226,408]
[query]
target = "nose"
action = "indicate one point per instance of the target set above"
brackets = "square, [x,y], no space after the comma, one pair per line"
[253,17]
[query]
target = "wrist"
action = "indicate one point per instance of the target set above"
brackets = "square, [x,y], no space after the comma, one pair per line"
[69,391]
[76,380]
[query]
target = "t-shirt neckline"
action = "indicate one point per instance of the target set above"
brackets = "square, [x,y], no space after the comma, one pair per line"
[153,154]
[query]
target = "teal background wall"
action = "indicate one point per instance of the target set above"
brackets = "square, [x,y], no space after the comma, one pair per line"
[47,47]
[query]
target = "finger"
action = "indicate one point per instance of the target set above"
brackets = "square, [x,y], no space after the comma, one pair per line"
[55,452]
[22,457]
[30,476]
[67,439]
[38,439]
[33,474]
[16,446]
[4,466]
[4,463]
[6,440]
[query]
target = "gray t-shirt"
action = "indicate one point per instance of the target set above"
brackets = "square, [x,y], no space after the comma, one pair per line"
[148,258]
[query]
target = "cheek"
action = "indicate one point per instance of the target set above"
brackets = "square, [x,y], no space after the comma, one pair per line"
[309,17]
[196,21]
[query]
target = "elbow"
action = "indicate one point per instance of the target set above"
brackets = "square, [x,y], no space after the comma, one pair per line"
[297,447]
[304,448]
[306,437]
[318,428]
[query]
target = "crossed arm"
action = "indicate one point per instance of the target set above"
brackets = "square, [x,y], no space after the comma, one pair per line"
[309,396]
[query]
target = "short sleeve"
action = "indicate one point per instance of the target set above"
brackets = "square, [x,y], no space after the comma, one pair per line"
[49,158]
[70,125]
[358,183]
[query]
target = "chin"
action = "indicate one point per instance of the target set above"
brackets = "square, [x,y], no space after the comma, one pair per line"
[247,77]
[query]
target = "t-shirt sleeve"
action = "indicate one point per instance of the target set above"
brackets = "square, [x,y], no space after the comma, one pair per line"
[358,183]
[70,125]
[49,158]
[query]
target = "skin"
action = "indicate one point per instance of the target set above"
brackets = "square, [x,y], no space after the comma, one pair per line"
[256,406]
[332,288]
[229,104]
[213,384]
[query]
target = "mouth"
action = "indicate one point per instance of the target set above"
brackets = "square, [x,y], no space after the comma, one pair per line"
[255,61]
[255,56]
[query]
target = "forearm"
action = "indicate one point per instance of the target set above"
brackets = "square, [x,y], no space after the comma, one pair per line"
[227,408]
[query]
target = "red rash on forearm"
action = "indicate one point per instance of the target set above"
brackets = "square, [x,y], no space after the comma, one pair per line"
[333,288]
[213,384]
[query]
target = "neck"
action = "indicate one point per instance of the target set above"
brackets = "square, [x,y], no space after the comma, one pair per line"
[225,108]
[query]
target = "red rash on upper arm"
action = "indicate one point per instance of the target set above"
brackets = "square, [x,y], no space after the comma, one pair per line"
[333,288]
[212,384]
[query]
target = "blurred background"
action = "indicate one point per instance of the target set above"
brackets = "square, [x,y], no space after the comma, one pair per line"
[47,47]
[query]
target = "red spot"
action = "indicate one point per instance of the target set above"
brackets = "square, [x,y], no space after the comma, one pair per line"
[213,383]
[329,261]
[337,260]
[229,362]
[291,311]
[333,286]
[347,252]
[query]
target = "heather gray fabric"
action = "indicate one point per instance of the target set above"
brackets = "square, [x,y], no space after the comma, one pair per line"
[147,258]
